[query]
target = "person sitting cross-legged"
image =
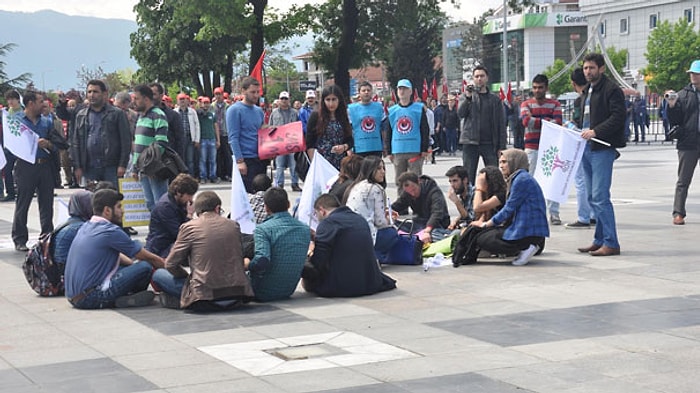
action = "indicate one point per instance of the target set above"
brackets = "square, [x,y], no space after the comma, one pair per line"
[281,244]
[212,245]
[99,269]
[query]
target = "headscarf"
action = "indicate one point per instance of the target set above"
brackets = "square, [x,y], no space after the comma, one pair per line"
[517,161]
[80,205]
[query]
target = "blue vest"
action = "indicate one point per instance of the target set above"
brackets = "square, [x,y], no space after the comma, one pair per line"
[405,128]
[366,124]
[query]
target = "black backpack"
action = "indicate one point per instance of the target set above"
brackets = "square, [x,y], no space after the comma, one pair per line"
[42,273]
[160,161]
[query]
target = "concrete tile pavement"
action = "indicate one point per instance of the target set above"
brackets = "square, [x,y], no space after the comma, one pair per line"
[567,322]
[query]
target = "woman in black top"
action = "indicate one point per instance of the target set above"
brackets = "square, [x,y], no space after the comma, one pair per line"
[329,131]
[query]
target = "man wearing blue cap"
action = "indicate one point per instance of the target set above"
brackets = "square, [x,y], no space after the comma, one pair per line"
[683,112]
[407,133]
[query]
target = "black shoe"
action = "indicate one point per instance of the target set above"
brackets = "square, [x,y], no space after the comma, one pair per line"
[74,185]
[130,231]
[295,187]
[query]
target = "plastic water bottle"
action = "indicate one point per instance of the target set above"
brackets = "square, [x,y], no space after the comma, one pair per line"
[427,263]
[572,126]
[438,259]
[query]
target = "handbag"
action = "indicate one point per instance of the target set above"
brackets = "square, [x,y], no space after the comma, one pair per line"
[407,249]
[281,140]
[160,161]
[303,163]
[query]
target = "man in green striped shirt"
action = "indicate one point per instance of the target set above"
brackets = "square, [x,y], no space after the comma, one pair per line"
[151,126]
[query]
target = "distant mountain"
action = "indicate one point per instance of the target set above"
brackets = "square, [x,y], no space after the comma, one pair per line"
[53,46]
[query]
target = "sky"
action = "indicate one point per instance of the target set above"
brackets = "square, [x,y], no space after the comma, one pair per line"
[123,9]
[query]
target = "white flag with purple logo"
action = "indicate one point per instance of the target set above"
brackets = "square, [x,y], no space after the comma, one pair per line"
[241,211]
[19,139]
[558,158]
[316,183]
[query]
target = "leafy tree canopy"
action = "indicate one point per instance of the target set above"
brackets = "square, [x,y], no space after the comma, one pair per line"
[670,51]
[7,83]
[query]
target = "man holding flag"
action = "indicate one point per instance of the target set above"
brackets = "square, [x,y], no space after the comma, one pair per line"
[603,109]
[33,175]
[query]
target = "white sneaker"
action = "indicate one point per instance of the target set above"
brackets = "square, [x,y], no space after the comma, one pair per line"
[525,255]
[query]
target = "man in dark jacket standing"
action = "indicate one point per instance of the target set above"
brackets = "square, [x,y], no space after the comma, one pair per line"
[683,110]
[603,109]
[343,263]
[176,135]
[101,140]
[426,200]
[484,128]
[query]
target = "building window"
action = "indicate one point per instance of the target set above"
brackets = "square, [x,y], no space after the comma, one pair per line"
[602,27]
[689,15]
[624,25]
[653,21]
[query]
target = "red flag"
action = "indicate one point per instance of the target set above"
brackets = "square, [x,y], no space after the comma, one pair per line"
[386,108]
[433,89]
[425,90]
[416,97]
[501,94]
[257,71]
[445,89]
[464,85]
[375,98]
[509,94]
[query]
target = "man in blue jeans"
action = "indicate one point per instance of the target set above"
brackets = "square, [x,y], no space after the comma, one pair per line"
[603,116]
[100,271]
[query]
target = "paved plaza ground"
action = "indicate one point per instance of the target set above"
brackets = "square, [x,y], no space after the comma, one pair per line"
[565,323]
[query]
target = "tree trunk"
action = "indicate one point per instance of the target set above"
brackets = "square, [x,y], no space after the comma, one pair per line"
[228,73]
[257,39]
[194,78]
[207,82]
[346,47]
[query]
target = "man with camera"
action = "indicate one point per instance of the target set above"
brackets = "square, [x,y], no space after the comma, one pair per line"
[484,128]
[683,111]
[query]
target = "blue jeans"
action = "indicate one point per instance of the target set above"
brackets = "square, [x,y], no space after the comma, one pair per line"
[168,283]
[153,189]
[189,158]
[207,159]
[585,213]
[108,173]
[127,279]
[450,140]
[597,167]
[283,162]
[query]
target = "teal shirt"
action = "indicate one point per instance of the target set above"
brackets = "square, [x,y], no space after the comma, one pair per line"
[281,244]
[206,125]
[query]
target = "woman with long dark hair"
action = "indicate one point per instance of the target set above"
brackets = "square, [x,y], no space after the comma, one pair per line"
[328,130]
[367,197]
[489,194]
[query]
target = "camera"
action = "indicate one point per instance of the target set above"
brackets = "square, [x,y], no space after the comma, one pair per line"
[671,96]
[470,88]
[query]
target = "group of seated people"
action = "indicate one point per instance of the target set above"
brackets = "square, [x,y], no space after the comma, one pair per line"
[197,259]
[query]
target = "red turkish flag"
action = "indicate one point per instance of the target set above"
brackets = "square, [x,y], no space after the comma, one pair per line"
[425,90]
[445,89]
[416,97]
[433,89]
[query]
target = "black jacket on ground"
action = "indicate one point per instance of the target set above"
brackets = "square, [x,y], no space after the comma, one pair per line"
[430,205]
[344,257]
[685,115]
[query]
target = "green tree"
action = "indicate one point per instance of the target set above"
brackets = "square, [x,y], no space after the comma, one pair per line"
[7,83]
[562,84]
[670,50]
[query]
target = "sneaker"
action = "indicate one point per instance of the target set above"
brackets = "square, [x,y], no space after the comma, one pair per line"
[21,247]
[203,181]
[525,255]
[554,219]
[131,231]
[295,187]
[8,198]
[577,225]
[678,220]
[215,180]
[138,299]
[169,301]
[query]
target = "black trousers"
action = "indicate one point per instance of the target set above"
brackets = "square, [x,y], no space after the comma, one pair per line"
[32,178]
[224,161]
